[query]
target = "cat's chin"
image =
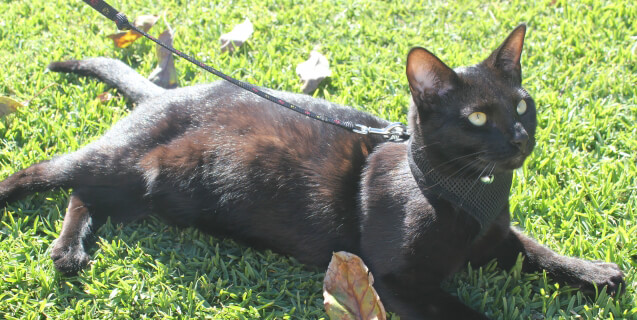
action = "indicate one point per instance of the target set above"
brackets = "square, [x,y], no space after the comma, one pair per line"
[486,167]
[510,164]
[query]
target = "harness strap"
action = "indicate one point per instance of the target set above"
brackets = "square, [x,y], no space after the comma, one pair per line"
[393,132]
[483,199]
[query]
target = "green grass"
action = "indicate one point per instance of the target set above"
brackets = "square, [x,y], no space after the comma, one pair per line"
[577,192]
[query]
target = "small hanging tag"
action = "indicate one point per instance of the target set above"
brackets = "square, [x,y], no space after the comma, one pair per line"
[487,179]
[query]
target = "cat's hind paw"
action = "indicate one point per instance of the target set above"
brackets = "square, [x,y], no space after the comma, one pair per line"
[70,259]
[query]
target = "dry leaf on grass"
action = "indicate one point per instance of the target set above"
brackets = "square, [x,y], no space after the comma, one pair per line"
[347,290]
[8,105]
[235,38]
[165,74]
[105,97]
[313,71]
[124,39]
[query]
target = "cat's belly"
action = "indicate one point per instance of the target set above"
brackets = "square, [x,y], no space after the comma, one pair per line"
[290,186]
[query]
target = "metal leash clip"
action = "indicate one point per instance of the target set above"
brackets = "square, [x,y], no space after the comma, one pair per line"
[393,132]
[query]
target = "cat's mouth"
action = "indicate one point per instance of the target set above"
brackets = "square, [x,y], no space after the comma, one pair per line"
[480,164]
[501,164]
[514,162]
[483,167]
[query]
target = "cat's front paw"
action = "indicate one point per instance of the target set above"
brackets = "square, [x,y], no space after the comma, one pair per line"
[69,259]
[591,274]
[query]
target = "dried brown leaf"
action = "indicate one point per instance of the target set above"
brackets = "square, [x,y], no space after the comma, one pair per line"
[235,38]
[313,71]
[126,38]
[8,105]
[347,290]
[105,97]
[145,22]
[165,74]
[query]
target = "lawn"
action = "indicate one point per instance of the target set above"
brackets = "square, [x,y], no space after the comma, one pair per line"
[576,194]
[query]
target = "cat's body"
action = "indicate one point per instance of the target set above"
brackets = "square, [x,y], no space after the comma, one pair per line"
[233,164]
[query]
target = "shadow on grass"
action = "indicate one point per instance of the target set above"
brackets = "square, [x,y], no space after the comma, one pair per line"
[153,269]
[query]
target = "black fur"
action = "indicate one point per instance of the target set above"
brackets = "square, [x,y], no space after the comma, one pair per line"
[233,164]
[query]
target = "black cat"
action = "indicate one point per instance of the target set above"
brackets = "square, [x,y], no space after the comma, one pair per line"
[233,164]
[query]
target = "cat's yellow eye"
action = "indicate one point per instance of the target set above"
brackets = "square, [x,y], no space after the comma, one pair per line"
[478,118]
[521,108]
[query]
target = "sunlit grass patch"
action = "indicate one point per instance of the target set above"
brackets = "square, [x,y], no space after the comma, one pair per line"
[576,193]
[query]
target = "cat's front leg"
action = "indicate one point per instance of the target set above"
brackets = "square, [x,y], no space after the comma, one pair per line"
[579,273]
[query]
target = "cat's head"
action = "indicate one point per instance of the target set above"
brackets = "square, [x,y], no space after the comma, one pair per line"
[472,120]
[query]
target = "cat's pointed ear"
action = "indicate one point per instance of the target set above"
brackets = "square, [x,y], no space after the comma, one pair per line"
[428,76]
[506,58]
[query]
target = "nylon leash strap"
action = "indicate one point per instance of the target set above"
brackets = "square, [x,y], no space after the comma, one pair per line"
[393,132]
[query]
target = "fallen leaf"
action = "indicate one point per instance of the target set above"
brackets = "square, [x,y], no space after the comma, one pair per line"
[235,38]
[126,38]
[165,74]
[145,22]
[8,105]
[105,97]
[313,71]
[347,290]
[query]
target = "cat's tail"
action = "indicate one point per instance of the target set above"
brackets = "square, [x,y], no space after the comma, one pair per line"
[112,72]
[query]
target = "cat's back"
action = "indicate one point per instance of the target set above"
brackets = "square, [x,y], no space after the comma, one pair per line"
[230,162]
[220,104]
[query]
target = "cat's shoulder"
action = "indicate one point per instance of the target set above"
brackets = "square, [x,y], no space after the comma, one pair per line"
[387,165]
[388,153]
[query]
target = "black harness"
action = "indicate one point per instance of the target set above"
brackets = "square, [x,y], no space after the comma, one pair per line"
[483,199]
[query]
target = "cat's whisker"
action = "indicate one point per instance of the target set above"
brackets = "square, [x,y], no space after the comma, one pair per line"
[464,167]
[449,162]
[423,147]
[492,166]
[476,181]
[456,173]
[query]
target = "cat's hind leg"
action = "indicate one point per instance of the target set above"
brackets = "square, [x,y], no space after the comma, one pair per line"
[97,196]
[41,176]
[112,72]
[68,252]
[88,209]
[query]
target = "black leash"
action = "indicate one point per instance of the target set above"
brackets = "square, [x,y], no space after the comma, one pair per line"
[394,132]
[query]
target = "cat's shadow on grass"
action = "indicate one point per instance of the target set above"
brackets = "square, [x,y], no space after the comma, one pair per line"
[129,261]
[133,258]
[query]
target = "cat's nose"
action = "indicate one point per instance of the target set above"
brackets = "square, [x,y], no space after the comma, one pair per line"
[520,137]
